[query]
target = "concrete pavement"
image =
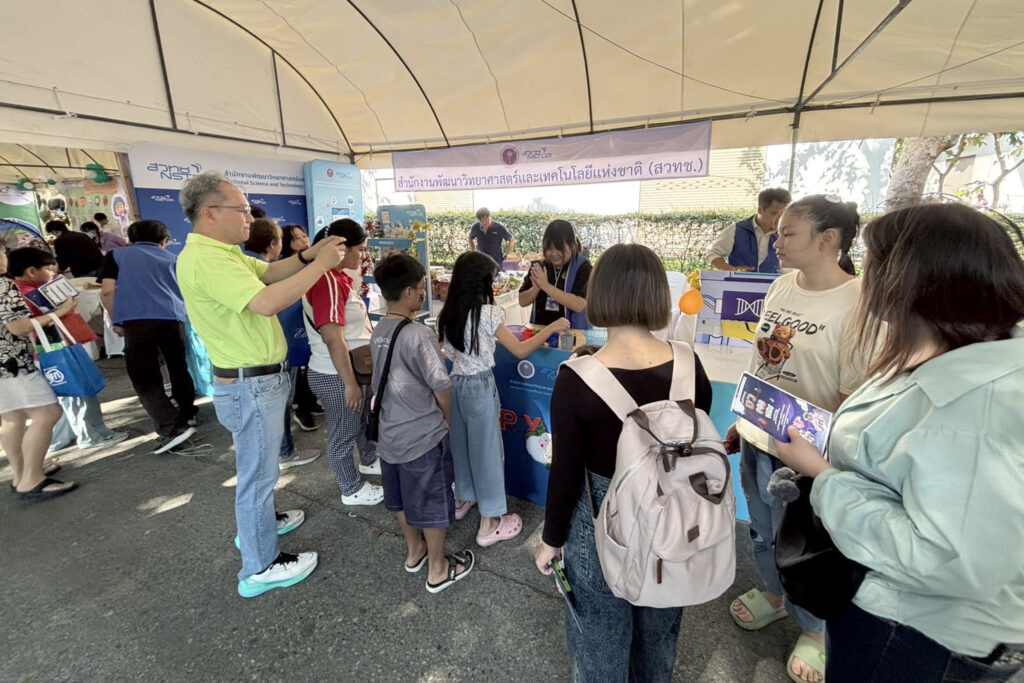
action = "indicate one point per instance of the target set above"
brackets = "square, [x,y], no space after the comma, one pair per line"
[133,577]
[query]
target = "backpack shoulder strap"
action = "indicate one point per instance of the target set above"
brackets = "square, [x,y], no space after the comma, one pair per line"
[603,383]
[683,369]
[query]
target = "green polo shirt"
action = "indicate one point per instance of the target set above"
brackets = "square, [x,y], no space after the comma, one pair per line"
[218,281]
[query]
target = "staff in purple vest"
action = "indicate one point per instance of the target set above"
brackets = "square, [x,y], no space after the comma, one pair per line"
[557,286]
[748,245]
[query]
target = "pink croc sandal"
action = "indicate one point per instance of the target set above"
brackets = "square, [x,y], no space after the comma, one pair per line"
[508,527]
[462,509]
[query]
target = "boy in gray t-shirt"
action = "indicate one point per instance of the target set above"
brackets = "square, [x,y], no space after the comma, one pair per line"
[415,411]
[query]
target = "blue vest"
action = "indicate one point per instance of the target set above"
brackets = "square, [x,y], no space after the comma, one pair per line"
[744,249]
[578,321]
[147,286]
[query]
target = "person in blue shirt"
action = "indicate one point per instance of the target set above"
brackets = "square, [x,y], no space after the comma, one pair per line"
[489,237]
[140,292]
[748,245]
[924,481]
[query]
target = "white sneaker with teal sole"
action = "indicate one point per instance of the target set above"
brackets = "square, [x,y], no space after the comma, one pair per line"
[289,520]
[287,570]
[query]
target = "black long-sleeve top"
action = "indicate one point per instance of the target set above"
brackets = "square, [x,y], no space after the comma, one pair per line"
[586,434]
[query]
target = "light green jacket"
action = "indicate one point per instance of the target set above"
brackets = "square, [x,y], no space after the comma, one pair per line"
[928,492]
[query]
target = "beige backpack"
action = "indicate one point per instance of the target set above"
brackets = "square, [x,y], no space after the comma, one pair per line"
[666,530]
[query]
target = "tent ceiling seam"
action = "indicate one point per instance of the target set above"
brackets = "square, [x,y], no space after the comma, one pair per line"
[167,129]
[163,64]
[888,19]
[949,56]
[14,166]
[305,80]
[412,75]
[38,157]
[277,92]
[586,66]
[497,89]
[327,60]
[661,66]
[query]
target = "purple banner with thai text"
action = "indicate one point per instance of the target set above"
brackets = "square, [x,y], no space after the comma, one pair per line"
[653,154]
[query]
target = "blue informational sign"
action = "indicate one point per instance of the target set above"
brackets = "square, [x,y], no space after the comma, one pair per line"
[333,191]
[524,387]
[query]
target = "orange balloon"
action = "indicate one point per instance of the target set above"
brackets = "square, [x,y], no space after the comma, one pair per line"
[691,302]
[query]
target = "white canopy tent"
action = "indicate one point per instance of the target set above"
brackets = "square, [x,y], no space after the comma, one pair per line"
[303,79]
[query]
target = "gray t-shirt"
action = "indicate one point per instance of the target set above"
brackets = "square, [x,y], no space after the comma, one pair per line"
[411,422]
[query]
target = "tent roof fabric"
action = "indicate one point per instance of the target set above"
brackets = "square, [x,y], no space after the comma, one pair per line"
[301,79]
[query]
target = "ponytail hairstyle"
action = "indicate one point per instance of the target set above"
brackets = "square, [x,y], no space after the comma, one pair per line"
[472,286]
[829,212]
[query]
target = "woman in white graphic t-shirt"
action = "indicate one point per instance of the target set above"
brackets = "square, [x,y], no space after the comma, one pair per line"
[802,345]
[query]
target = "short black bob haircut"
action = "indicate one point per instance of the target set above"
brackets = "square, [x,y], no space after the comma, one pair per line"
[396,273]
[628,287]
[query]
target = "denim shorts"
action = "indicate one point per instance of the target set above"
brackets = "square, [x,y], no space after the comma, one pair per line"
[422,488]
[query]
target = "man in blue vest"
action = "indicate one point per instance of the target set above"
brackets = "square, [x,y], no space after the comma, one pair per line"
[140,291]
[748,245]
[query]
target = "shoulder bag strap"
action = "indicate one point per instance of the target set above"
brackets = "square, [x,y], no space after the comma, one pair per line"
[387,367]
[41,335]
[603,383]
[683,369]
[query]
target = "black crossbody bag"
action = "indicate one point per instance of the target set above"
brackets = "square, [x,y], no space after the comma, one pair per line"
[373,421]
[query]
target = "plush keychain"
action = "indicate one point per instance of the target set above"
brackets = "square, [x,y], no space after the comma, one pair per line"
[783,486]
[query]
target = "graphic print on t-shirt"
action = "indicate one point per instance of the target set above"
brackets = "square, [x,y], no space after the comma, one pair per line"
[774,351]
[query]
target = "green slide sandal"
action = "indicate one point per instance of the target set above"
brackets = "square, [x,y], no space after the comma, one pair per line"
[759,607]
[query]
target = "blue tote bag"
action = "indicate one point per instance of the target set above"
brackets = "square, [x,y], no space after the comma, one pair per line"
[67,367]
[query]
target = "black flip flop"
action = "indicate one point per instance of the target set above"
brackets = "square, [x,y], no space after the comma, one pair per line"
[38,493]
[465,559]
[52,468]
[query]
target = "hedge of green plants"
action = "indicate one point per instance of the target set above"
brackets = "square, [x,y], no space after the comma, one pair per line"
[681,239]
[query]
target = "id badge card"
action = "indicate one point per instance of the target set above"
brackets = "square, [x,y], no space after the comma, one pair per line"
[552,305]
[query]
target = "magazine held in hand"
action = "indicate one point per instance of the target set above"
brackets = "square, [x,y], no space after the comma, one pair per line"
[49,296]
[775,411]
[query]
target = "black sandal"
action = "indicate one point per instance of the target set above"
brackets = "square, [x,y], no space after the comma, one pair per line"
[52,468]
[455,560]
[38,493]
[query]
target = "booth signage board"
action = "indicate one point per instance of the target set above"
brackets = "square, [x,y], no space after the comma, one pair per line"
[333,191]
[87,198]
[732,306]
[653,154]
[525,387]
[158,172]
[19,204]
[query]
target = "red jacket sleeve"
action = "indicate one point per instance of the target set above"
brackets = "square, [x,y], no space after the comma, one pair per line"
[328,301]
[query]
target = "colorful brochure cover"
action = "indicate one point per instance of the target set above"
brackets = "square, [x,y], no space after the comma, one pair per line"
[775,410]
[51,295]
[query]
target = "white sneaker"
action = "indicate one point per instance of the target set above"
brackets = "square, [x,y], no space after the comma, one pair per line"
[286,570]
[372,469]
[370,494]
[114,438]
[168,443]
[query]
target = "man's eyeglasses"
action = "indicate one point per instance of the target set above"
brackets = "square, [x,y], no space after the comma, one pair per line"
[244,208]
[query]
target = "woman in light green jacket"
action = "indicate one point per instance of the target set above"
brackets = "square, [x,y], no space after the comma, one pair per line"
[925,484]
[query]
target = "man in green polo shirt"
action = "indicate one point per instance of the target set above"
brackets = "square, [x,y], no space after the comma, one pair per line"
[232,301]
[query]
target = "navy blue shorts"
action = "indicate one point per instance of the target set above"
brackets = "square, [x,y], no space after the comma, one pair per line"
[422,488]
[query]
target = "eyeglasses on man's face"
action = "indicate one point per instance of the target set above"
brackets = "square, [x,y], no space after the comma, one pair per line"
[244,208]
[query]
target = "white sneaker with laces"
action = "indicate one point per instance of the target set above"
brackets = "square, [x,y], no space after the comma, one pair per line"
[286,570]
[371,469]
[370,494]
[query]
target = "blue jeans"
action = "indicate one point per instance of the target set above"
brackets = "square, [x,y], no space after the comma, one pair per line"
[619,642]
[863,648]
[756,469]
[287,442]
[476,443]
[252,410]
[82,420]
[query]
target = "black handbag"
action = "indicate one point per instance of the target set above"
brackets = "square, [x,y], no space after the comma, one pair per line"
[814,574]
[373,420]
